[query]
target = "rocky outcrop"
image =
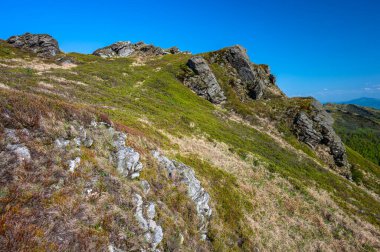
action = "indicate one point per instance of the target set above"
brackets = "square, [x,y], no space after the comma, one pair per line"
[144,215]
[127,159]
[43,45]
[250,80]
[204,82]
[316,128]
[126,48]
[306,131]
[195,191]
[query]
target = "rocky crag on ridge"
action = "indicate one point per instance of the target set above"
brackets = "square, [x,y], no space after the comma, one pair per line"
[316,129]
[126,49]
[43,45]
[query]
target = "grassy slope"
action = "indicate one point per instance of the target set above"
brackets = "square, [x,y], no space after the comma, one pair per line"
[359,128]
[151,92]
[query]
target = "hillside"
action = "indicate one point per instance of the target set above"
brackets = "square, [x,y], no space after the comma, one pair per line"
[359,128]
[138,148]
[365,102]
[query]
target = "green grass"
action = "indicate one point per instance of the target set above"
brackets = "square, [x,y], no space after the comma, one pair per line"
[165,102]
[359,129]
[230,203]
[170,106]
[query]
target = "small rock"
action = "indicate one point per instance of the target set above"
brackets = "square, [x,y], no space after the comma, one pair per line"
[145,186]
[61,143]
[73,164]
[127,159]
[21,151]
[151,212]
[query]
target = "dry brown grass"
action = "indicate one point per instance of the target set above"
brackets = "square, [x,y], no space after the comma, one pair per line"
[283,218]
[35,64]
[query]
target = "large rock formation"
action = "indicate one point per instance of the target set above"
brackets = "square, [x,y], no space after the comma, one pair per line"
[204,82]
[250,80]
[126,48]
[316,128]
[43,45]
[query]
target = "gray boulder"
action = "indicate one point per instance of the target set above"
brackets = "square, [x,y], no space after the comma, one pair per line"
[253,81]
[126,49]
[43,45]
[305,129]
[316,128]
[127,159]
[16,147]
[204,82]
[118,49]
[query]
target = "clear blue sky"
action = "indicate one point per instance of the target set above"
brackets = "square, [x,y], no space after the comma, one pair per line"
[327,49]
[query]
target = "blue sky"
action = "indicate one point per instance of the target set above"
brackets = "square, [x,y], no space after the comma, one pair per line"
[326,49]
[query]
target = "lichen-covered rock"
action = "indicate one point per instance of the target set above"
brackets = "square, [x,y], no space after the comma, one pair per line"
[251,80]
[15,146]
[61,143]
[127,159]
[145,186]
[195,191]
[204,82]
[43,45]
[305,129]
[126,48]
[73,164]
[316,128]
[152,232]
[118,49]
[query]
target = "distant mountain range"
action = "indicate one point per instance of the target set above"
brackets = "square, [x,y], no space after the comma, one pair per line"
[364,101]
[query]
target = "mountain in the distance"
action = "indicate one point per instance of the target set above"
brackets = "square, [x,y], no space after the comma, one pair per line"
[364,101]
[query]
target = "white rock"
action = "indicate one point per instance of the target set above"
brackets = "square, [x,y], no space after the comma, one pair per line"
[145,186]
[61,143]
[135,175]
[94,124]
[194,189]
[127,159]
[151,211]
[73,164]
[77,141]
[139,215]
[21,151]
[153,232]
[158,235]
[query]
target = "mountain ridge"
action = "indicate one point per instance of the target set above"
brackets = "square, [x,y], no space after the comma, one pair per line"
[131,153]
[364,101]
